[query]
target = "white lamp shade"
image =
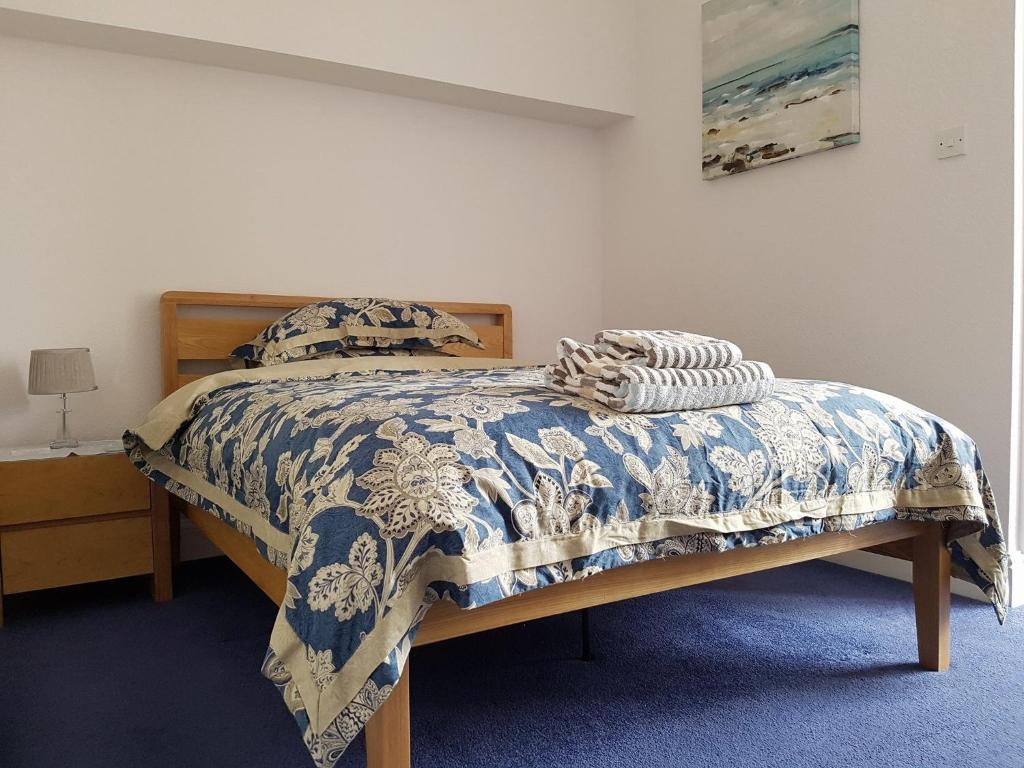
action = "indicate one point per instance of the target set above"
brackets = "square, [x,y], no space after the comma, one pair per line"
[58,371]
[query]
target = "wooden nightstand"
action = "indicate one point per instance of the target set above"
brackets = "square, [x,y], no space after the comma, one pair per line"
[72,519]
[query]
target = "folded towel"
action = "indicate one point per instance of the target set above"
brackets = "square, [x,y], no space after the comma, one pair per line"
[580,359]
[670,349]
[639,389]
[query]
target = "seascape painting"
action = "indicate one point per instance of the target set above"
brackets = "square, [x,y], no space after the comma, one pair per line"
[781,80]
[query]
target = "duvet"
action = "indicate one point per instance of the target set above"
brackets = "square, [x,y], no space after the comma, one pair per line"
[385,485]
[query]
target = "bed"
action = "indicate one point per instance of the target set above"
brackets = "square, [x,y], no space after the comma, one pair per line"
[390,503]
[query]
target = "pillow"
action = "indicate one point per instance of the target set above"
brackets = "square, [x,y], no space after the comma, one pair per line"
[339,324]
[303,353]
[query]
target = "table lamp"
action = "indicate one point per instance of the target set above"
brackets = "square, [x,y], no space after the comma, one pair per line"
[58,372]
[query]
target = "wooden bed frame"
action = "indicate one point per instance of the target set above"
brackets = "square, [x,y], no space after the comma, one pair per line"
[196,327]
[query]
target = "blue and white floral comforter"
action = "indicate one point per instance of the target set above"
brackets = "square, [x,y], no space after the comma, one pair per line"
[382,491]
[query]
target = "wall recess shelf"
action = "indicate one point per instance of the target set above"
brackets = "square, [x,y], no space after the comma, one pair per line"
[140,42]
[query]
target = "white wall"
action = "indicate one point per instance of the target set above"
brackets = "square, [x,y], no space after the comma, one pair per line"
[575,52]
[126,176]
[875,264]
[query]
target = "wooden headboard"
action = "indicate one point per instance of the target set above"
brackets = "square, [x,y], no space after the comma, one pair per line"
[198,330]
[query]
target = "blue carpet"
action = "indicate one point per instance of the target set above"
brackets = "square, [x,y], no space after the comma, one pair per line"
[812,665]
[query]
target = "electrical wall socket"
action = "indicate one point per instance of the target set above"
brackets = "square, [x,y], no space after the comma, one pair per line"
[951,143]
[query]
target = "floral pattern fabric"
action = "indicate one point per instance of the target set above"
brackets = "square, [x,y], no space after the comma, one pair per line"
[361,323]
[384,492]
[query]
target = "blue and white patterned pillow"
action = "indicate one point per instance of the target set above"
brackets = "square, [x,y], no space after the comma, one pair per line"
[332,327]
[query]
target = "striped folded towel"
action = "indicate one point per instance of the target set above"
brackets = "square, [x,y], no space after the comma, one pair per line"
[584,370]
[747,382]
[669,349]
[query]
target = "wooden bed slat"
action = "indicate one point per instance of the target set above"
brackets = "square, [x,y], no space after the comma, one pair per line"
[214,338]
[490,335]
[284,301]
[188,378]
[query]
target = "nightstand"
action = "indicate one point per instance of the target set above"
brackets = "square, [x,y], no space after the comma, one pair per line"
[79,515]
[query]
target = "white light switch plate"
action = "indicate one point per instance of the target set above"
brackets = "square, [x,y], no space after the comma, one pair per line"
[951,143]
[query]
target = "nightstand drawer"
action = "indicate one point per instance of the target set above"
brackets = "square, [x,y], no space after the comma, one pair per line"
[76,486]
[58,555]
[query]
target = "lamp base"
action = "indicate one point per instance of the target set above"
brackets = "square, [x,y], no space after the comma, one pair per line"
[65,440]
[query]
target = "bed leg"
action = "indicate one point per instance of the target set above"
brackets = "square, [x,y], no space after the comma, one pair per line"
[177,510]
[388,742]
[931,598]
[160,524]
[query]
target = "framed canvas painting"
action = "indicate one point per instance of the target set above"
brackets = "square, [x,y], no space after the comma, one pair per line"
[781,80]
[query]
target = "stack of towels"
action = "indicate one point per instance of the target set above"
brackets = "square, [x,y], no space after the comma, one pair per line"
[657,371]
